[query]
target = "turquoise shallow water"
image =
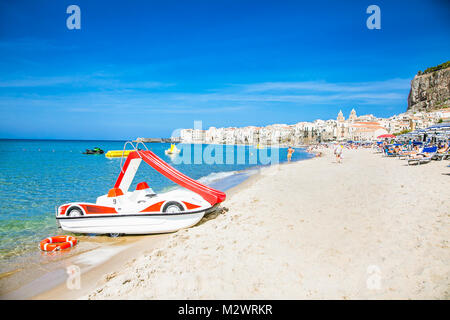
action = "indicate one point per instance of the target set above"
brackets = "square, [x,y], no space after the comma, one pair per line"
[37,175]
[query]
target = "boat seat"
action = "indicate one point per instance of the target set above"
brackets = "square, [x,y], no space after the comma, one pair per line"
[113,198]
[142,193]
[115,192]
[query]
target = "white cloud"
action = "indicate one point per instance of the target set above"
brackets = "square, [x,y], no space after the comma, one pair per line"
[117,96]
[308,92]
[84,81]
[323,86]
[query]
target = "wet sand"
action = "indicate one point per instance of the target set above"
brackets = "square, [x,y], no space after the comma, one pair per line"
[48,274]
[100,271]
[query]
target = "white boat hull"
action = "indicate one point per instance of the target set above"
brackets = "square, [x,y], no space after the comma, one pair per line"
[141,211]
[131,224]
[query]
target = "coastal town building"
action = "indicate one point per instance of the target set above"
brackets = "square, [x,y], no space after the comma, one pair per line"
[356,128]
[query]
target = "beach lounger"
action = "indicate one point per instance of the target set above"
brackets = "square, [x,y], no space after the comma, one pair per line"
[403,156]
[389,154]
[442,156]
[430,150]
[419,161]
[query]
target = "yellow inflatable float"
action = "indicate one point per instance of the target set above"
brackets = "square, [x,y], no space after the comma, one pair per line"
[172,150]
[117,153]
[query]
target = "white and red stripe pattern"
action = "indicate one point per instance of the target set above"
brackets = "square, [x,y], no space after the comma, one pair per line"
[57,243]
[211,195]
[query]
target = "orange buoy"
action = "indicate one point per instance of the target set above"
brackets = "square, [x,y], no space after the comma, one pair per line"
[58,243]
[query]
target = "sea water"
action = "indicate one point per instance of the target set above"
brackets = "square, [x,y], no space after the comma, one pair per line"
[38,175]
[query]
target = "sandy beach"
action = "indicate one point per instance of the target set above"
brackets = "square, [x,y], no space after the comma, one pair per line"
[369,228]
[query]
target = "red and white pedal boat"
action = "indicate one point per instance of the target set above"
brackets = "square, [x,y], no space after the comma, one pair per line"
[141,211]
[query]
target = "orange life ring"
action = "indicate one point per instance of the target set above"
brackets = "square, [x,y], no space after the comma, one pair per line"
[57,243]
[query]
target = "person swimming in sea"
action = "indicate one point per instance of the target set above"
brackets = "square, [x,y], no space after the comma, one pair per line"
[289,154]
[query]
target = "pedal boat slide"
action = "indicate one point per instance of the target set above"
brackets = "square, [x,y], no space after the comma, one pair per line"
[141,211]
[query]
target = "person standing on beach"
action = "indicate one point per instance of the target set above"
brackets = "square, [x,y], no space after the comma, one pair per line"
[338,152]
[289,154]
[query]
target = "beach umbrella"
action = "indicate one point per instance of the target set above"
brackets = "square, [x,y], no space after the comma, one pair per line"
[386,136]
[445,125]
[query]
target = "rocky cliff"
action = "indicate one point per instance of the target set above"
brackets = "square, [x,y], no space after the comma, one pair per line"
[430,91]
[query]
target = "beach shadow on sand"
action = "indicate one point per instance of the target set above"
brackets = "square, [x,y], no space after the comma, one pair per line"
[212,215]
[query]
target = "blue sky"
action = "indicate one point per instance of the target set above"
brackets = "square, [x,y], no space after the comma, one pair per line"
[145,68]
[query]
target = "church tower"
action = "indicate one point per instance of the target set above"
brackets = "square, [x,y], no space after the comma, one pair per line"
[352,116]
[340,117]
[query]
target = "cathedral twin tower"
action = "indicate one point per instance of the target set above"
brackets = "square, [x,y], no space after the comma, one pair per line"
[351,118]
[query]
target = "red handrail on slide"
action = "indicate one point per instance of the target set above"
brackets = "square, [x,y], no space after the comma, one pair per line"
[211,195]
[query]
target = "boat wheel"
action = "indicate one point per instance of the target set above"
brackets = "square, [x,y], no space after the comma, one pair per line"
[75,212]
[114,235]
[173,207]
